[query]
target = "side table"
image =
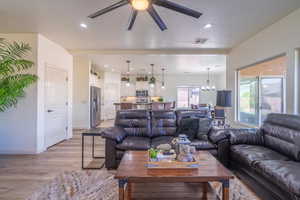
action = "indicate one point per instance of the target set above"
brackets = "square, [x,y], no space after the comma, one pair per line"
[91,133]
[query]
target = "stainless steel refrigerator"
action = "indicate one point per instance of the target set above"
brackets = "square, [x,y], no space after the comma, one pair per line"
[95,104]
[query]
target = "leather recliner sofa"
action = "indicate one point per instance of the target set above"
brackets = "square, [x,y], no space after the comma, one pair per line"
[268,158]
[142,129]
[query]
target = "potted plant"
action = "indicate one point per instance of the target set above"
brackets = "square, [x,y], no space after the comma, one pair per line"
[13,79]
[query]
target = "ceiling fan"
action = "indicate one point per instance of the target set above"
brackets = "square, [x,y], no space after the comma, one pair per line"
[140,5]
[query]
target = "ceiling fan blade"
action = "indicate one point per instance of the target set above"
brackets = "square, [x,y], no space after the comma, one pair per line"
[156,18]
[132,19]
[109,8]
[179,8]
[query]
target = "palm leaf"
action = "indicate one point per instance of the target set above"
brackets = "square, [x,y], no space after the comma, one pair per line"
[12,88]
[13,66]
[13,50]
[12,84]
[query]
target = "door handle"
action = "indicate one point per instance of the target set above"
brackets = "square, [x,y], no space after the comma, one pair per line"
[49,111]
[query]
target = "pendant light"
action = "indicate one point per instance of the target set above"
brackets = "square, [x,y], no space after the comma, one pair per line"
[128,73]
[208,87]
[152,79]
[163,78]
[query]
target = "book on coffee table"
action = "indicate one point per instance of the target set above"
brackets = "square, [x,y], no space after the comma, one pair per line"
[169,162]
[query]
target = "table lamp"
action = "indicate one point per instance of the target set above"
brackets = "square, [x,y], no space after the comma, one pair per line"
[224,100]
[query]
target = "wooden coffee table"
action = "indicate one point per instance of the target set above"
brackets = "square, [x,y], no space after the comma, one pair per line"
[133,169]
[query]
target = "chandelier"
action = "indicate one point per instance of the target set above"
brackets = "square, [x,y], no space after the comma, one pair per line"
[208,87]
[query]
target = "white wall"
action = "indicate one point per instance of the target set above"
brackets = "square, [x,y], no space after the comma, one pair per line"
[18,125]
[281,37]
[52,55]
[22,127]
[81,92]
[111,94]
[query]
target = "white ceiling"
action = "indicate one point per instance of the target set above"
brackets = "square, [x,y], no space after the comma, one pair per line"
[174,64]
[233,20]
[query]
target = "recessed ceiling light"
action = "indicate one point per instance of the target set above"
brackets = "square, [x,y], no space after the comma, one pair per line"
[82,25]
[207,26]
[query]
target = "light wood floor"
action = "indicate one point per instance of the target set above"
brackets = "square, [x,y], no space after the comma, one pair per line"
[21,175]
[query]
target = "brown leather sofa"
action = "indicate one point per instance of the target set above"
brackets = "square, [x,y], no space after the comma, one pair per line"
[268,159]
[143,129]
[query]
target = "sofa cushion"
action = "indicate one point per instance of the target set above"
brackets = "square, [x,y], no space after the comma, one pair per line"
[161,140]
[250,154]
[163,123]
[203,145]
[282,139]
[134,122]
[286,174]
[114,133]
[134,143]
[189,127]
[204,126]
[183,114]
[245,136]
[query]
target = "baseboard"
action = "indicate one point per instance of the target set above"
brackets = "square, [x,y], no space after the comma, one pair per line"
[18,152]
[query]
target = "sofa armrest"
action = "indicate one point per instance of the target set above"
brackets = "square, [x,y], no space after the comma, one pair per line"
[114,133]
[111,154]
[218,135]
[223,151]
[245,136]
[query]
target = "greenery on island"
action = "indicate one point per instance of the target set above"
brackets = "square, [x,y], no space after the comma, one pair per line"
[13,76]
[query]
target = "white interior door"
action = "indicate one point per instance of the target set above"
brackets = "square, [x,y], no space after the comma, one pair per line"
[56,97]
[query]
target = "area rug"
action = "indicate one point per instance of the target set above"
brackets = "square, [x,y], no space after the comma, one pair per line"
[238,190]
[79,185]
[101,185]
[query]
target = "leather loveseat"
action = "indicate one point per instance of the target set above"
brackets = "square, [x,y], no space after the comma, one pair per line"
[142,129]
[268,159]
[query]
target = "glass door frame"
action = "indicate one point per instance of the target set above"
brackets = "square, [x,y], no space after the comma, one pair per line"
[256,104]
[283,90]
[259,96]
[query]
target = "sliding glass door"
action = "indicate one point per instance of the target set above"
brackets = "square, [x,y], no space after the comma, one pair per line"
[261,90]
[186,96]
[258,97]
[248,104]
[271,96]
[194,96]
[183,97]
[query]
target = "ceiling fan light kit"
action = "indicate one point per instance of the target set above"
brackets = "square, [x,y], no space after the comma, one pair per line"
[140,4]
[143,5]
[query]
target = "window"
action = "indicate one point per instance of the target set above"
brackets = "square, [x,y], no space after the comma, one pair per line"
[186,96]
[261,90]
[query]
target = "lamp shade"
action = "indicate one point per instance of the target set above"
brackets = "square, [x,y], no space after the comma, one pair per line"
[224,98]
